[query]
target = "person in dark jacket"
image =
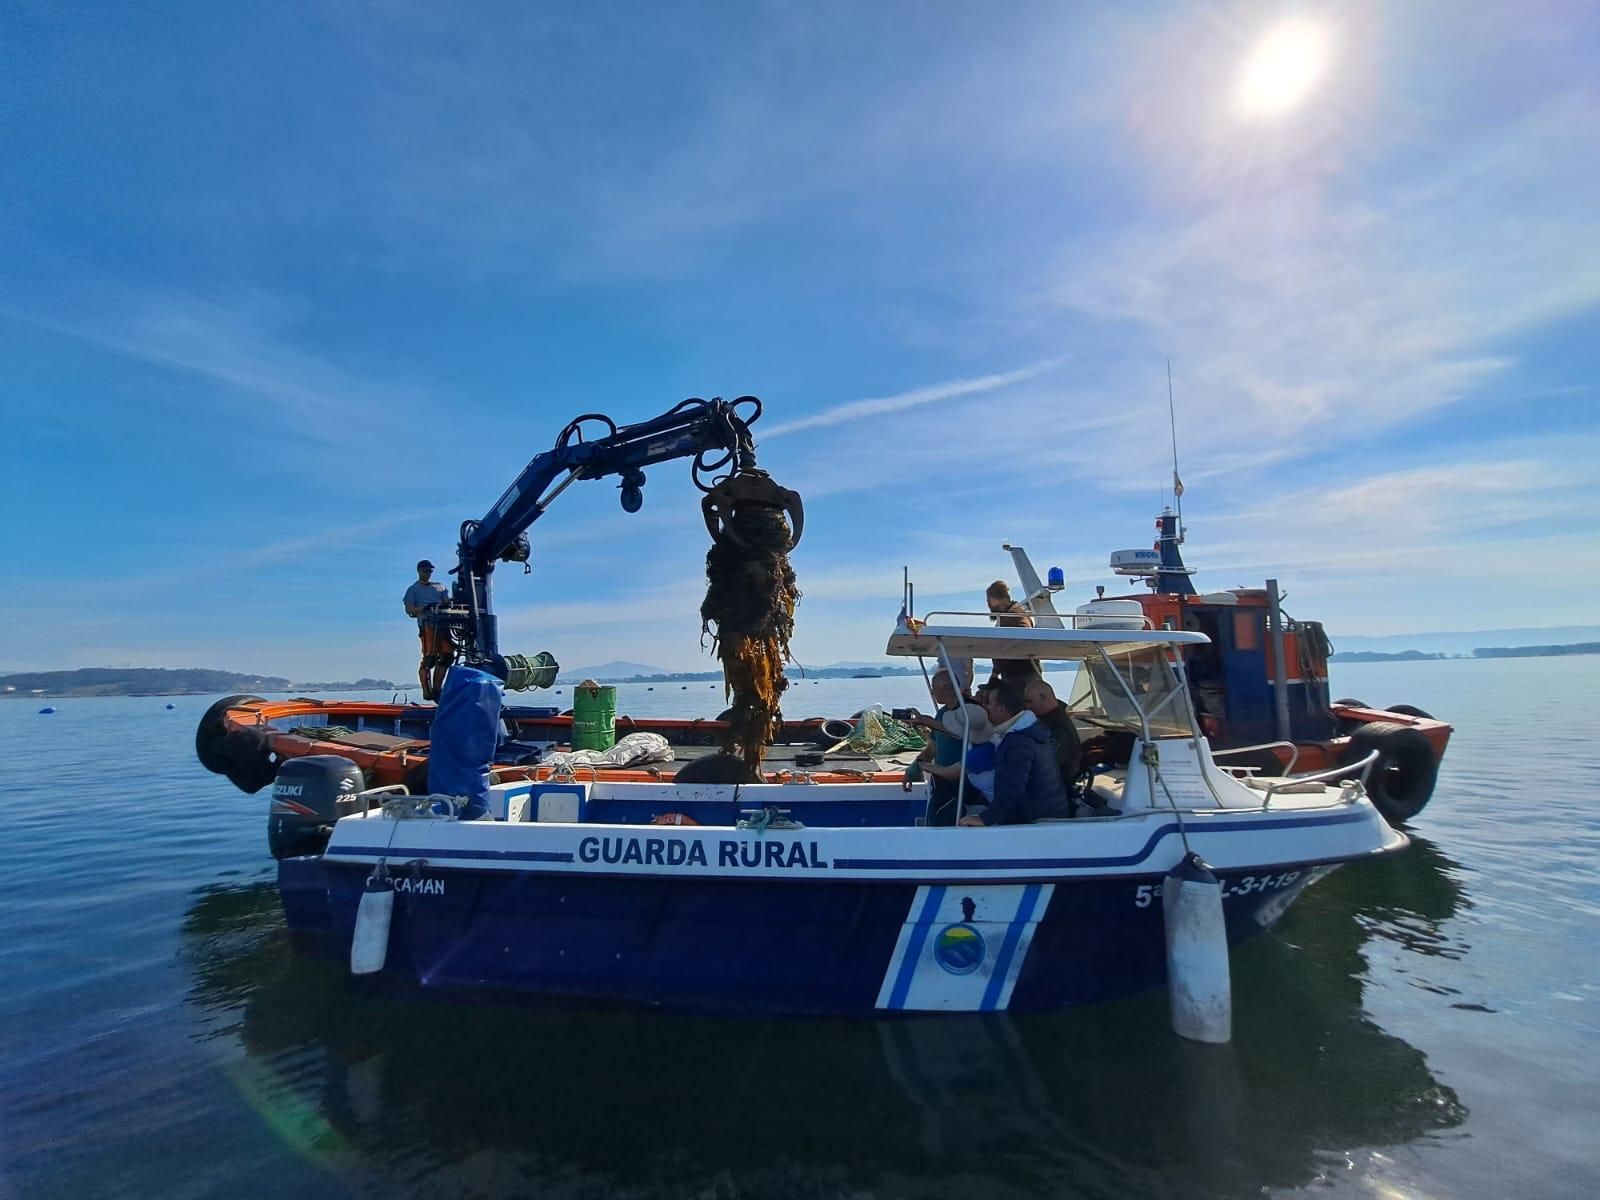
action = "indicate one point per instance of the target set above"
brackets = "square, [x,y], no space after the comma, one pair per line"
[1027,782]
[1041,700]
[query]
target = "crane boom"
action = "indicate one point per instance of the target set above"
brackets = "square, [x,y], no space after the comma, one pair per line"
[716,433]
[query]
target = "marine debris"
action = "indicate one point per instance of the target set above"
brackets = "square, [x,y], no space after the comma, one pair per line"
[749,612]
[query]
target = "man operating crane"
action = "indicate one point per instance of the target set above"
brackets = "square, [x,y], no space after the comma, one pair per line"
[423,600]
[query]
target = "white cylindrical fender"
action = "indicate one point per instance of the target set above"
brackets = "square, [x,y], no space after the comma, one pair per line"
[369,948]
[1198,983]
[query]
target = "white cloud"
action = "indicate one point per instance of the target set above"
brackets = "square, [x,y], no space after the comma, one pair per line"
[245,348]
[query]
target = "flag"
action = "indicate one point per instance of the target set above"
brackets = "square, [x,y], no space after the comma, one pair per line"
[1177,485]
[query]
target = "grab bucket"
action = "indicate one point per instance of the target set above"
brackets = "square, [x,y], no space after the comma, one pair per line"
[594,716]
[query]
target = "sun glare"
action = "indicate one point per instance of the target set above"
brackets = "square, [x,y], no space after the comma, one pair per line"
[1283,68]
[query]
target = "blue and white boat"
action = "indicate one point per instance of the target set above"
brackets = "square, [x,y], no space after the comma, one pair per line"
[835,898]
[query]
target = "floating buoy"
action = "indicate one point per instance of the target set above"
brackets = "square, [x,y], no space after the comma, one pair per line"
[170,707]
[369,948]
[1197,953]
[46,710]
[649,689]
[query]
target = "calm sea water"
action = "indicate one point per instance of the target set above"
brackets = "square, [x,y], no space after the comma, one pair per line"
[1427,1025]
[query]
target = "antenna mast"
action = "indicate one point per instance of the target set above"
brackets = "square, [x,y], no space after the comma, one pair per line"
[1172,420]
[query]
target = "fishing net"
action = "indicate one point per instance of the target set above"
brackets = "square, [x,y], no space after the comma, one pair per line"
[876,734]
[749,612]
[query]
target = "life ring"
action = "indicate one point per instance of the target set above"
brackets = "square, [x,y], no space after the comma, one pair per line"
[1401,781]
[673,818]
[213,728]
[1410,710]
[835,729]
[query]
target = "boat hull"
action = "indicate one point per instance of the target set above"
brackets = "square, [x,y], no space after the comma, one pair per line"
[824,947]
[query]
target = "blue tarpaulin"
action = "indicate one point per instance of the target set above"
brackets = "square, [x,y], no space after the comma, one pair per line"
[462,742]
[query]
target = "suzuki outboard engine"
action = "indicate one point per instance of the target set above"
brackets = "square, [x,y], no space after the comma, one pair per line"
[308,796]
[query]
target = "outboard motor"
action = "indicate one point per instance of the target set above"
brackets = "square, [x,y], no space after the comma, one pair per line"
[308,796]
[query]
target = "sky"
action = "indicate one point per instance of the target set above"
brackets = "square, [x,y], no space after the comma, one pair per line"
[287,292]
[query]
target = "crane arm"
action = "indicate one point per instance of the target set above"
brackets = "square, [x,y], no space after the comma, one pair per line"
[695,427]
[715,432]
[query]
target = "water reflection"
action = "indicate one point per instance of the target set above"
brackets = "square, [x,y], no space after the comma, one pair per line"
[425,1097]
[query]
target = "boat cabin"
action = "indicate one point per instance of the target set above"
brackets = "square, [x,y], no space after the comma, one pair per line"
[1231,674]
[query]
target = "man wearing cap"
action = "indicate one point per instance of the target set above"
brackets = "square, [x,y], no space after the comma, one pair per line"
[422,600]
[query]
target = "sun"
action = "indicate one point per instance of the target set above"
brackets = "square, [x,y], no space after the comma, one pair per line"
[1282,69]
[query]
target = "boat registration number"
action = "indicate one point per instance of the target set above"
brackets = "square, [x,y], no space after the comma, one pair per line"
[1146,893]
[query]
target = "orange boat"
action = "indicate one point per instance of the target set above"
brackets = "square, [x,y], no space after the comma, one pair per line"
[247,738]
[1260,685]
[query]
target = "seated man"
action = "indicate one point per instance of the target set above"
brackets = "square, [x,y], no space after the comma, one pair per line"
[978,767]
[1027,782]
[1041,700]
[942,759]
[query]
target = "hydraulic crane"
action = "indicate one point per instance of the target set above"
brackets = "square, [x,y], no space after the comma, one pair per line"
[715,432]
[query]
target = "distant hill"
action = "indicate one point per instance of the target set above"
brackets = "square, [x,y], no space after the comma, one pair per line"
[1344,656]
[1477,652]
[1466,643]
[1536,651]
[160,681]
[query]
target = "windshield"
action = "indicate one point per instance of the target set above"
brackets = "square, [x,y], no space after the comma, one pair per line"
[1144,672]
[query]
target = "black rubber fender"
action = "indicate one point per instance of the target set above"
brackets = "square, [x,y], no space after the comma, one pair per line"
[208,735]
[1409,710]
[1345,726]
[1401,782]
[252,764]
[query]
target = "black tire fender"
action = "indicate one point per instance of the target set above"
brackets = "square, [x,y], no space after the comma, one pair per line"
[1349,703]
[1401,781]
[1410,710]
[250,758]
[209,734]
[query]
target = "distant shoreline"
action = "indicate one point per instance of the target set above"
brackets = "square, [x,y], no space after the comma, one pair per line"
[1350,656]
[88,682]
[91,682]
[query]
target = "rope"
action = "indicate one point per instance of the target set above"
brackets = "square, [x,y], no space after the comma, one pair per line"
[1150,756]
[768,818]
[322,733]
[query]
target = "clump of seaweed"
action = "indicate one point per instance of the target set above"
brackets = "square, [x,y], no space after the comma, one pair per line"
[749,612]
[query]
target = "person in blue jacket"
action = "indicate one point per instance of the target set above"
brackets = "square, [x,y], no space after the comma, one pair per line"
[1027,782]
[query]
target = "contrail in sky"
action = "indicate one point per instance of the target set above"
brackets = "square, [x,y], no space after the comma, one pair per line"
[856,409]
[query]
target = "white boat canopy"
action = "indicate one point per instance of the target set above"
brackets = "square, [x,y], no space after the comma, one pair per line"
[969,641]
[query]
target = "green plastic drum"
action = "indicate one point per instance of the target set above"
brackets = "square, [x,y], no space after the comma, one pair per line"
[594,717]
